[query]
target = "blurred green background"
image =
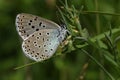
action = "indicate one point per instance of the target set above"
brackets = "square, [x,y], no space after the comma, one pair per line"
[65,67]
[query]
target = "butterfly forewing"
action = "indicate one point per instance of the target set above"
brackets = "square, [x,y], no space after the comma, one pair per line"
[27,24]
[41,45]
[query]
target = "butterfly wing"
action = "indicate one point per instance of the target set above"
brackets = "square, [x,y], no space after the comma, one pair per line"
[27,24]
[41,45]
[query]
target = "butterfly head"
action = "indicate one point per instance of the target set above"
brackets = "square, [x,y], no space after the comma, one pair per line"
[63,32]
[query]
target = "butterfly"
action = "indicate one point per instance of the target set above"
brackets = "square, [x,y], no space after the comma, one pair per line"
[40,36]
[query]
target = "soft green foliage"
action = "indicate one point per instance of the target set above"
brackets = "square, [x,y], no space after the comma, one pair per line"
[91,50]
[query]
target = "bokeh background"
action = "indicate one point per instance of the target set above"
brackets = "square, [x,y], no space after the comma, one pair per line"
[63,67]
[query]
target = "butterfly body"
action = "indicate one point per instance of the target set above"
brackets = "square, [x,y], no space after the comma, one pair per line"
[41,37]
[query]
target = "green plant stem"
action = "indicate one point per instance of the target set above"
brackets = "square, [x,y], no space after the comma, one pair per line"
[97,17]
[110,76]
[100,36]
[25,65]
[98,12]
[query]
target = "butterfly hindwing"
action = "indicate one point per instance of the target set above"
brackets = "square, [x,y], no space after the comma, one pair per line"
[42,44]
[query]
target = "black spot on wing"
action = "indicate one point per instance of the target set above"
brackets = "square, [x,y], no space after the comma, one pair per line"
[33,27]
[37,29]
[40,23]
[35,18]
[44,26]
[30,20]
[29,24]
